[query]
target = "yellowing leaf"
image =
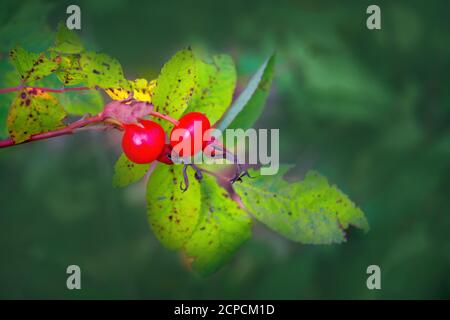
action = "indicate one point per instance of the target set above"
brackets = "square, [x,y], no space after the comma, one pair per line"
[8,78]
[172,214]
[33,111]
[117,94]
[142,91]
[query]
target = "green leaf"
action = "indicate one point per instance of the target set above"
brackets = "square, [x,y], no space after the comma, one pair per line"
[247,108]
[31,66]
[222,229]
[70,71]
[33,112]
[81,102]
[214,91]
[310,211]
[103,71]
[127,172]
[67,41]
[175,86]
[172,214]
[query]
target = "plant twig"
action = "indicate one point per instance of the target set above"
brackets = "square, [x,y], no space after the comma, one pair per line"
[69,129]
[44,89]
[165,117]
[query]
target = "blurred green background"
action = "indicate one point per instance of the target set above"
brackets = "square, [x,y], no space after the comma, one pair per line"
[368,109]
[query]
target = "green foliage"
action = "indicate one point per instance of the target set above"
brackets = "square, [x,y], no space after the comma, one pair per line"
[81,102]
[248,106]
[70,71]
[127,172]
[203,222]
[389,152]
[175,86]
[31,66]
[310,211]
[33,112]
[221,230]
[102,71]
[5,99]
[67,41]
[172,214]
[215,87]
[8,78]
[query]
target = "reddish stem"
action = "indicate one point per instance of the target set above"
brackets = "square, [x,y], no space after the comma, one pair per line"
[165,117]
[18,88]
[73,126]
[56,133]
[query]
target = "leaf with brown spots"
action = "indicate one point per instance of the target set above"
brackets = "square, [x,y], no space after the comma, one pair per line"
[127,172]
[31,66]
[215,88]
[172,214]
[8,78]
[222,229]
[103,71]
[32,112]
[175,86]
[309,211]
[69,71]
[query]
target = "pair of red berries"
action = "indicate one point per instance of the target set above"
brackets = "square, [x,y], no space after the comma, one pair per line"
[145,142]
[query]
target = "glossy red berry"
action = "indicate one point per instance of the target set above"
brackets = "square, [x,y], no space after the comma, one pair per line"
[187,122]
[166,155]
[143,143]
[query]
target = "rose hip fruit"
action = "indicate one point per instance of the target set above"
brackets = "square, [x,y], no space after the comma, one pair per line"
[143,143]
[186,140]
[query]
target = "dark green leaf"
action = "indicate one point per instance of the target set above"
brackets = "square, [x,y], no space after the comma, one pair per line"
[67,41]
[247,108]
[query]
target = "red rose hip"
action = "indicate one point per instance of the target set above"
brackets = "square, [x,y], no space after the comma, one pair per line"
[166,155]
[143,143]
[187,137]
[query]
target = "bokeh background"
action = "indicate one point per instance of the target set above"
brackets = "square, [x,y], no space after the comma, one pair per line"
[368,109]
